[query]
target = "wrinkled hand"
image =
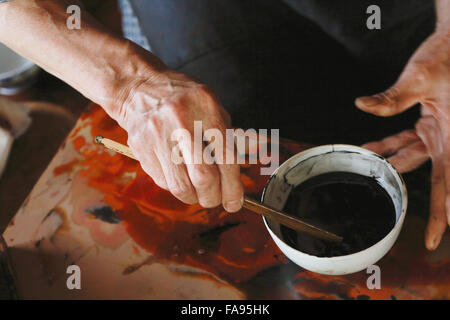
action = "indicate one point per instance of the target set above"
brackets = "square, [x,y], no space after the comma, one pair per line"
[425,80]
[408,150]
[151,111]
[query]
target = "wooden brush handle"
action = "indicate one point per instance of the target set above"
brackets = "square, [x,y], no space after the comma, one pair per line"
[115,146]
[288,220]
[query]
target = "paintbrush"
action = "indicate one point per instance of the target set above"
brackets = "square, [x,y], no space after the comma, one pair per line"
[250,204]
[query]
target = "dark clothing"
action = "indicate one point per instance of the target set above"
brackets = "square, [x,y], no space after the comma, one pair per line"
[296,65]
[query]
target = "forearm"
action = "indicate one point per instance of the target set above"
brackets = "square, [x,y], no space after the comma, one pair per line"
[443,14]
[98,64]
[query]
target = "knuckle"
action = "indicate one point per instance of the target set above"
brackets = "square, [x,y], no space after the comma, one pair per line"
[181,190]
[420,71]
[204,90]
[203,177]
[421,126]
[178,113]
[206,94]
[180,98]
[174,104]
[390,96]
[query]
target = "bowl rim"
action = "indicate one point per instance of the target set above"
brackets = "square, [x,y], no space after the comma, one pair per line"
[27,65]
[344,148]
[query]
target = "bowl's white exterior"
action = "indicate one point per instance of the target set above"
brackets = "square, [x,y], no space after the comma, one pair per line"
[16,72]
[349,263]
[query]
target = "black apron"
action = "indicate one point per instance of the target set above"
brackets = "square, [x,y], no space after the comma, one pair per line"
[296,65]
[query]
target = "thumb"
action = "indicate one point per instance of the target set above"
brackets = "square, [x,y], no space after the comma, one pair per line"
[404,94]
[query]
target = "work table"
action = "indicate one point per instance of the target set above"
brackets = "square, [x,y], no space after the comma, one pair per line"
[132,240]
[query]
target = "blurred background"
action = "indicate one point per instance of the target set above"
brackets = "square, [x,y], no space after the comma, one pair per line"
[54,107]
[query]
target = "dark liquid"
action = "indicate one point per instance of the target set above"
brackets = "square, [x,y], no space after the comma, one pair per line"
[350,205]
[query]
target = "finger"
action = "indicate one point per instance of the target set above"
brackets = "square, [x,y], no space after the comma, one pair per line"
[430,133]
[393,143]
[437,222]
[435,134]
[206,181]
[428,129]
[446,165]
[230,181]
[232,189]
[150,164]
[410,157]
[176,176]
[404,94]
[204,176]
[425,112]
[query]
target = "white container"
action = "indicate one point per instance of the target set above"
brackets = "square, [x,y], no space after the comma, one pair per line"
[332,158]
[16,72]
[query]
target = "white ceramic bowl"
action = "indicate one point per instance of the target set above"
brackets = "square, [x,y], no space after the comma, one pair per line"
[16,72]
[329,158]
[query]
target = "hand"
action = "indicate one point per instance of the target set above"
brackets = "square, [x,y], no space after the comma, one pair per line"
[151,111]
[407,151]
[425,80]
[134,87]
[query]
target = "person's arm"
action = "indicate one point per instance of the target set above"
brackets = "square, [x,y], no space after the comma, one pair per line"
[425,80]
[91,60]
[134,87]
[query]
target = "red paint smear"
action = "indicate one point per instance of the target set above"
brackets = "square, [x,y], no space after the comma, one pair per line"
[238,249]
[112,239]
[79,142]
[405,273]
[65,168]
[179,233]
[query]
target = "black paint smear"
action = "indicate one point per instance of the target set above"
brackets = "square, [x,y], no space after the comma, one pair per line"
[210,237]
[105,214]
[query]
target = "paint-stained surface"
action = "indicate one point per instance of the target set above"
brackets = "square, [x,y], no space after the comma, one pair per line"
[131,239]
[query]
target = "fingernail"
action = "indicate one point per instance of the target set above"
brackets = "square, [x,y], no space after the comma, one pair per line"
[432,244]
[367,101]
[234,206]
[435,243]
